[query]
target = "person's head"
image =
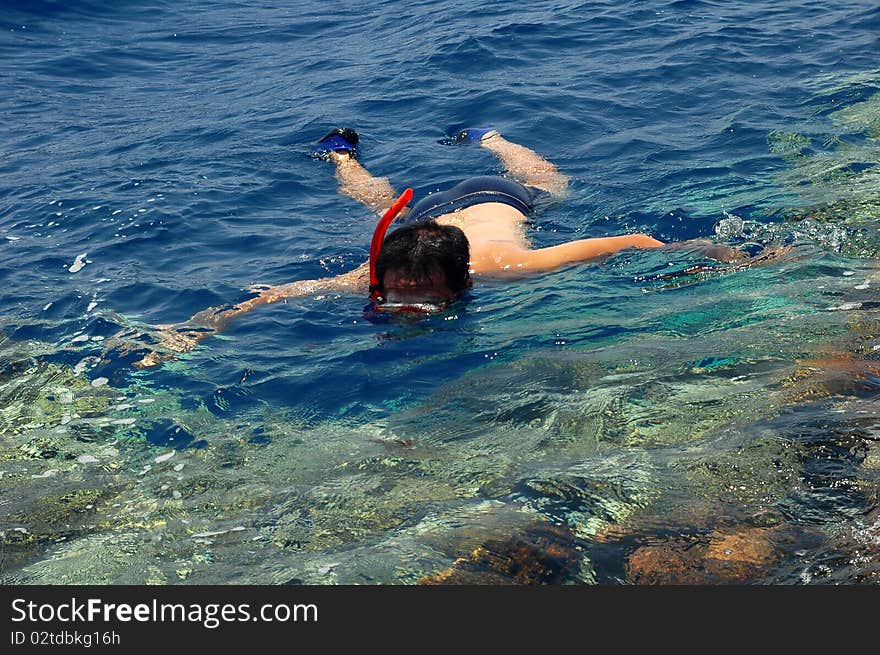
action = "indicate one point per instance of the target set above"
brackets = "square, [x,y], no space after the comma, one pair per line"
[423,262]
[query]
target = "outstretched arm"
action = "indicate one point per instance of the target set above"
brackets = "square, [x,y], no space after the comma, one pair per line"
[183,337]
[351,282]
[585,250]
[507,258]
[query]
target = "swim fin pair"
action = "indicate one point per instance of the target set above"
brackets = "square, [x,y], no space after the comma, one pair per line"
[345,139]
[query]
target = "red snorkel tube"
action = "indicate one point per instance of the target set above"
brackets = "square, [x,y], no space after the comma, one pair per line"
[379,236]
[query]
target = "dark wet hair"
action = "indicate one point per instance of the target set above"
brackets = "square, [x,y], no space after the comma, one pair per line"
[419,250]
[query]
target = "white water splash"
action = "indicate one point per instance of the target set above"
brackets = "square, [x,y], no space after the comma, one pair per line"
[78,263]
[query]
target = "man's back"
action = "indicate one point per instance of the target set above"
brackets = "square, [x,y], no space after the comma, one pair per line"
[495,234]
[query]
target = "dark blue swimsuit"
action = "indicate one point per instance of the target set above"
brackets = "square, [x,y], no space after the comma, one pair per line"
[474,191]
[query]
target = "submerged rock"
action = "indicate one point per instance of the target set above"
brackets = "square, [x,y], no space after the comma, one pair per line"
[542,554]
[729,556]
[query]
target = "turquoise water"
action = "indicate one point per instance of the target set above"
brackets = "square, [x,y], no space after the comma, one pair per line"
[615,423]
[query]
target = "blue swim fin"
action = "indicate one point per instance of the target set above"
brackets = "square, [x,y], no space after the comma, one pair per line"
[340,139]
[469,135]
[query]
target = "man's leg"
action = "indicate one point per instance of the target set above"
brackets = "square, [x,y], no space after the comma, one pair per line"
[356,182]
[340,146]
[527,166]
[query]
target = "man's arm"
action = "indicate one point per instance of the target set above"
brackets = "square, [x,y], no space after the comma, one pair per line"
[183,337]
[507,258]
[356,281]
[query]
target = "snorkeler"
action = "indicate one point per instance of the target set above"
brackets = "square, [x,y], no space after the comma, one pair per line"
[474,229]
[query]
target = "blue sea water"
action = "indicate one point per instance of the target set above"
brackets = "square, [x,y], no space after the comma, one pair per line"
[156,162]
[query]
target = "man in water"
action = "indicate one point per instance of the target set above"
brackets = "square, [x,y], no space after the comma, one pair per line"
[474,229]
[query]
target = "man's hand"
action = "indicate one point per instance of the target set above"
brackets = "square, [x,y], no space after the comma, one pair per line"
[708,248]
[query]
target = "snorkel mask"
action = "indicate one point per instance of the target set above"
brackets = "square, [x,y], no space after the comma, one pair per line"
[379,236]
